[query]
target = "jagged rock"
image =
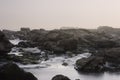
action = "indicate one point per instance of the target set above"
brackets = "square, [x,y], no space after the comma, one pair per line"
[11,71]
[60,77]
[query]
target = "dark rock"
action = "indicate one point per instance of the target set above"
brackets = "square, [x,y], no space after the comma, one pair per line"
[60,77]
[5,45]
[9,34]
[11,71]
[91,64]
[65,64]
[68,44]
[52,46]
[27,44]
[113,55]
[25,29]
[105,44]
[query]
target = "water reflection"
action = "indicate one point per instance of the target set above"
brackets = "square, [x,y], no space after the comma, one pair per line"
[91,74]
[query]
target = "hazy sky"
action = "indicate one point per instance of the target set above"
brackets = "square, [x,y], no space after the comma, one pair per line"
[51,14]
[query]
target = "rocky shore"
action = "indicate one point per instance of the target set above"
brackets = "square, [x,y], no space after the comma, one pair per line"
[8,69]
[103,44]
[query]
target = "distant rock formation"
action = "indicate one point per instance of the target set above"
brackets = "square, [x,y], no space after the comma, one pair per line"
[25,29]
[65,27]
[71,39]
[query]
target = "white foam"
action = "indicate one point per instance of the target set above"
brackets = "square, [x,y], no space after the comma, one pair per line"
[15,41]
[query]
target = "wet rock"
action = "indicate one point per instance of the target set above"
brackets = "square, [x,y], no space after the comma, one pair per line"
[65,64]
[5,45]
[26,58]
[11,71]
[91,64]
[60,77]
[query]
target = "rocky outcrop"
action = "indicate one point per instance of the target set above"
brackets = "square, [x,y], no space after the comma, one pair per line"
[11,71]
[5,45]
[60,41]
[60,77]
[91,64]
[75,40]
[104,60]
[103,43]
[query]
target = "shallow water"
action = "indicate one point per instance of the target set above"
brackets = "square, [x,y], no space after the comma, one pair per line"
[47,69]
[48,73]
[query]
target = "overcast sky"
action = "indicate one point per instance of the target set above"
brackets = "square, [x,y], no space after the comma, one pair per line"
[50,14]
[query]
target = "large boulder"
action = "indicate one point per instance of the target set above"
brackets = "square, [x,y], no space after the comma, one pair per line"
[91,64]
[5,45]
[60,77]
[11,71]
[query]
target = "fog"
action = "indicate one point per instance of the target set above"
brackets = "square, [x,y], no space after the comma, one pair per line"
[53,14]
